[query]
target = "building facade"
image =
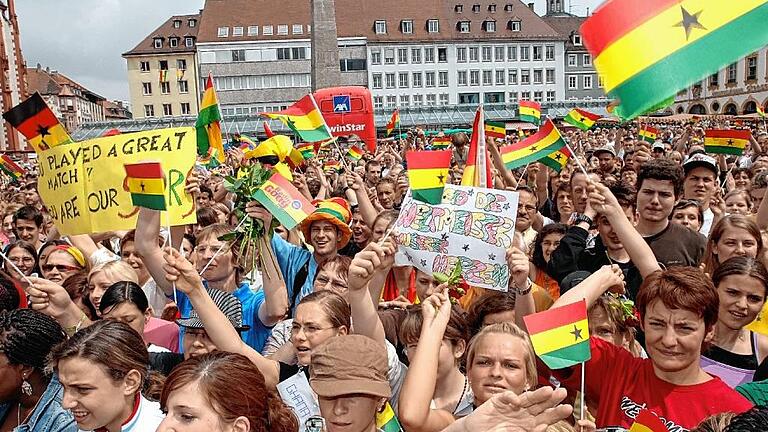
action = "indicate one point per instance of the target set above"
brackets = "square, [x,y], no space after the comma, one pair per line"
[72,103]
[116,110]
[12,76]
[738,88]
[408,53]
[163,71]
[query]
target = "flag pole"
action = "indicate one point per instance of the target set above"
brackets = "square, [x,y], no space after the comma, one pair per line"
[522,176]
[218,251]
[170,244]
[581,408]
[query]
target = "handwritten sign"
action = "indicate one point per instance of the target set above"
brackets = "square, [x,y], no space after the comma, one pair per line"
[472,225]
[81,183]
[297,394]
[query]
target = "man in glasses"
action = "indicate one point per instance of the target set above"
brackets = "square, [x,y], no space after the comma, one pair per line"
[659,184]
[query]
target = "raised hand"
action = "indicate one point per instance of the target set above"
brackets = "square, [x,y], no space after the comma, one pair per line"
[367,262]
[518,266]
[48,297]
[180,271]
[532,411]
[602,200]
[436,309]
[255,210]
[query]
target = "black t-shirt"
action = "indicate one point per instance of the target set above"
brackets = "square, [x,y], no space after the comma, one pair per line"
[164,362]
[677,245]
[287,371]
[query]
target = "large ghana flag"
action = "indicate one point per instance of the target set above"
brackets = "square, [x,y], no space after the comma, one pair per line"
[560,336]
[428,173]
[539,145]
[648,50]
[305,119]
[728,141]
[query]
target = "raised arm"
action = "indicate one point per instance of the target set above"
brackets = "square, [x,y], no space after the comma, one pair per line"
[365,318]
[520,285]
[367,210]
[607,278]
[219,329]
[275,306]
[147,233]
[506,175]
[419,387]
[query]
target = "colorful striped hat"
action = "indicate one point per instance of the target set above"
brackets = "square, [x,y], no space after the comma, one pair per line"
[333,210]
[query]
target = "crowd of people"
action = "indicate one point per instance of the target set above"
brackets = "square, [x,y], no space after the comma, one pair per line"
[128,331]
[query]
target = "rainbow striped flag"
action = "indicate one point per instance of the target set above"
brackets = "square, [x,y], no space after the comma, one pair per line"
[728,141]
[428,173]
[386,420]
[647,51]
[441,142]
[332,166]
[208,124]
[305,119]
[10,167]
[530,112]
[307,150]
[648,133]
[582,119]
[394,122]
[537,146]
[495,130]
[560,336]
[646,421]
[146,183]
[284,201]
[355,153]
[557,160]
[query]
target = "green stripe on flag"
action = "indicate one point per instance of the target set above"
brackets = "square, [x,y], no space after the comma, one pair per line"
[568,356]
[555,165]
[150,201]
[529,119]
[689,64]
[314,135]
[208,115]
[543,153]
[432,195]
[724,150]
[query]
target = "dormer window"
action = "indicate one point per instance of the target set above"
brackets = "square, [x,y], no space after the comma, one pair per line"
[173,42]
[463,26]
[189,41]
[492,8]
[237,31]
[514,25]
[489,26]
[223,32]
[406,26]
[577,39]
[192,22]
[158,42]
[381,27]
[458,8]
[508,7]
[177,23]
[476,8]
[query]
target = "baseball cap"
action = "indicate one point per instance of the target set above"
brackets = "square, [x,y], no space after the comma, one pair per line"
[350,364]
[605,149]
[658,146]
[697,160]
[228,304]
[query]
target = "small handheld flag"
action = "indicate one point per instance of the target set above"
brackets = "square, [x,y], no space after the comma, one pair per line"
[544,142]
[583,120]
[530,112]
[386,420]
[394,122]
[648,133]
[729,141]
[305,119]
[332,166]
[10,167]
[428,173]
[646,421]
[355,153]
[557,160]
[39,125]
[284,201]
[495,130]
[441,142]
[560,336]
[146,183]
[307,150]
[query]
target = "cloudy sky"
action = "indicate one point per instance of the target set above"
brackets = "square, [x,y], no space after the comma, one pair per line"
[84,39]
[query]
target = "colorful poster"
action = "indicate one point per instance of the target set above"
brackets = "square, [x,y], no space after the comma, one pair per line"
[83,184]
[472,225]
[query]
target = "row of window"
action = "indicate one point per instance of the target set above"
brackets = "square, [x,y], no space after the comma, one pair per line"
[433,26]
[731,72]
[173,41]
[167,109]
[464,54]
[459,8]
[587,82]
[266,30]
[257,82]
[144,65]
[430,99]
[165,87]
[393,80]
[433,99]
[573,60]
[254,55]
[191,22]
[229,110]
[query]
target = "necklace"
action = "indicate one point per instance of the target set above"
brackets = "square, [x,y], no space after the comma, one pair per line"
[463,392]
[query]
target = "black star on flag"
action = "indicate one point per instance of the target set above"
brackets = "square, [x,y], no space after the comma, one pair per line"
[42,131]
[730,142]
[558,156]
[576,333]
[690,22]
[142,187]
[534,148]
[441,178]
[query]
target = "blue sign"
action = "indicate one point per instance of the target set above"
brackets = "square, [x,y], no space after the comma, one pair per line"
[341,104]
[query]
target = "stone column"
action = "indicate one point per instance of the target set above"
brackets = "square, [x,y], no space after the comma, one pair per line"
[325,46]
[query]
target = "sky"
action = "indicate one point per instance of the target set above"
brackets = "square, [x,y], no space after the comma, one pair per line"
[89,36]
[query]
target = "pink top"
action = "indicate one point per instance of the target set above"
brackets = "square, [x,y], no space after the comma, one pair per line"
[162,333]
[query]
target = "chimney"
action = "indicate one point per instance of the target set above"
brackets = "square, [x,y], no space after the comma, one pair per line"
[39,67]
[530,6]
[47,69]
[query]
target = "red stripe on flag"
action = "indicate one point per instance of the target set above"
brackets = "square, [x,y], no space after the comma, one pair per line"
[554,318]
[45,118]
[615,18]
[530,104]
[543,132]
[428,159]
[144,170]
[589,115]
[303,107]
[725,133]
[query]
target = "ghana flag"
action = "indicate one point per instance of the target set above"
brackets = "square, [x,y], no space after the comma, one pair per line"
[557,160]
[583,120]
[394,122]
[145,181]
[646,421]
[355,153]
[386,421]
[648,133]
[726,141]
[560,336]
[647,51]
[332,166]
[530,112]
[537,146]
[427,174]
[441,142]
[761,111]
[495,130]
[284,201]
[208,124]
[9,167]
[307,150]
[304,119]
[35,120]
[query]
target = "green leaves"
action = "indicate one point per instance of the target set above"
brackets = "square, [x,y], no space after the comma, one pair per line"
[453,279]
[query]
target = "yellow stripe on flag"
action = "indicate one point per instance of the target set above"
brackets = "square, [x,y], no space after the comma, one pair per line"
[560,337]
[524,110]
[151,186]
[663,35]
[553,136]
[311,121]
[725,142]
[427,178]
[57,135]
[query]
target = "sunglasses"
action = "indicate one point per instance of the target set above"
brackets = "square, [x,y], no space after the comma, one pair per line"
[61,268]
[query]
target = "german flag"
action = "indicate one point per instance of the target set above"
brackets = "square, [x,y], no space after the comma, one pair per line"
[537,146]
[428,173]
[146,183]
[557,160]
[648,133]
[583,120]
[646,421]
[441,142]
[35,120]
[495,130]
[530,112]
[394,122]
[647,51]
[726,141]
[560,336]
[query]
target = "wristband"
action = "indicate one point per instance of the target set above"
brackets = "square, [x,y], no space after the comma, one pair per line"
[523,291]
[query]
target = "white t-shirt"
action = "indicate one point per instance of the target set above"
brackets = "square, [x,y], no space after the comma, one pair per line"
[707,225]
